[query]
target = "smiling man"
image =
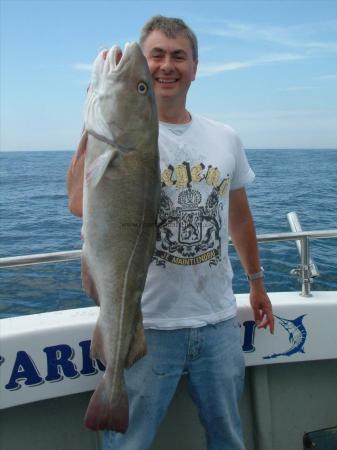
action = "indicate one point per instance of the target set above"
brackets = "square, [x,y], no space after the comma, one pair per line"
[188,305]
[173,66]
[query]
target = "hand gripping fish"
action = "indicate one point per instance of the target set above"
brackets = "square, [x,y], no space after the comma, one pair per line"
[120,204]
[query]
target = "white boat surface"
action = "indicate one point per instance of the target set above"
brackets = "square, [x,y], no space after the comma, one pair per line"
[47,376]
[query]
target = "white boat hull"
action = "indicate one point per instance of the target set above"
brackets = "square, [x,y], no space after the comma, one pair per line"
[46,357]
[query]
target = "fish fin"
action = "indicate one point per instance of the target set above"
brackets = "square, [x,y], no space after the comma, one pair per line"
[106,413]
[97,345]
[87,281]
[98,167]
[138,345]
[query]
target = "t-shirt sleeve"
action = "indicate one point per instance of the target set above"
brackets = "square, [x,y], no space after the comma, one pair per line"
[243,173]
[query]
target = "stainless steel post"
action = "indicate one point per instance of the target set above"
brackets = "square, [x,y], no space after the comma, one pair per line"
[295,226]
[305,267]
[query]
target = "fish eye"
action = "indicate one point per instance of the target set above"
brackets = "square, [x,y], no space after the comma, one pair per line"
[142,87]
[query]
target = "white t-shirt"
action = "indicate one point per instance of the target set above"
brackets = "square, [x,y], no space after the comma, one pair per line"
[189,282]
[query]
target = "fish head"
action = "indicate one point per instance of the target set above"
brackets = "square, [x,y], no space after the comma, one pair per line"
[120,102]
[291,324]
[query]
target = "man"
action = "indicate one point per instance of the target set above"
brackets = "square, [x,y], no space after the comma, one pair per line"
[188,304]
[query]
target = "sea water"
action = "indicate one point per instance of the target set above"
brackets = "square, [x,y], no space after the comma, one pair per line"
[35,219]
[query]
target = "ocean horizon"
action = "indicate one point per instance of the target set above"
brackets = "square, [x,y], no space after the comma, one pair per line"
[247,149]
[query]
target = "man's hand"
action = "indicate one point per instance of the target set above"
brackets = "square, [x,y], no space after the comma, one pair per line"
[261,306]
[75,175]
[242,230]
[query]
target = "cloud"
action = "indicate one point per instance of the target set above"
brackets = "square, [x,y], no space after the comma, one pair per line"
[82,67]
[327,77]
[304,41]
[245,31]
[205,70]
[299,36]
[296,88]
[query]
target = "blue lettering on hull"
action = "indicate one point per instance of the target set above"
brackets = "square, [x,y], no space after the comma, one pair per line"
[59,365]
[24,369]
[60,357]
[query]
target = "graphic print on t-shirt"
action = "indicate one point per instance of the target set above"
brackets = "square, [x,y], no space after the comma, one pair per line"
[189,219]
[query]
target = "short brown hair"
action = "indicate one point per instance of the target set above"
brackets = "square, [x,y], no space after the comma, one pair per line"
[170,27]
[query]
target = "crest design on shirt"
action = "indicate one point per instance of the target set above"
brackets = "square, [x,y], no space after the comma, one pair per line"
[189,228]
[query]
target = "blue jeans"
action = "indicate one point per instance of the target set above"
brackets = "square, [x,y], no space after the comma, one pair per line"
[213,360]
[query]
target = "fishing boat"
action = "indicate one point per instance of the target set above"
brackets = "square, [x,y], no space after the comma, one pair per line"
[290,398]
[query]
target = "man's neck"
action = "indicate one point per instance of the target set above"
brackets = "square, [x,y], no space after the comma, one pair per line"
[172,113]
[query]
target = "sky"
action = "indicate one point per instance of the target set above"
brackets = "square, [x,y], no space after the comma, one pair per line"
[267,68]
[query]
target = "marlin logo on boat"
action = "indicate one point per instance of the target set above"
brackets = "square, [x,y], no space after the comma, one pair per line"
[297,336]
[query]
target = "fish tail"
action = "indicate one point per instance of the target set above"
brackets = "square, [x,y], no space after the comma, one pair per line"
[106,412]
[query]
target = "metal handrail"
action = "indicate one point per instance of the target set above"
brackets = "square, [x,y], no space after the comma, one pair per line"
[303,236]
[39,258]
[295,225]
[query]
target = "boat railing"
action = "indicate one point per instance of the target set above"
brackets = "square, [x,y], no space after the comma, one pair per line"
[304,271]
[295,226]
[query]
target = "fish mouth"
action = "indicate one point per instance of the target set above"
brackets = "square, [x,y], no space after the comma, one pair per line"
[116,56]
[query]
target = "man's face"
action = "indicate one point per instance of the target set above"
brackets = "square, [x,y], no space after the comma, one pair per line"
[171,64]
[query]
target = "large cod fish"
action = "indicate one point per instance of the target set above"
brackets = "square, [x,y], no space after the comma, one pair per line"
[120,204]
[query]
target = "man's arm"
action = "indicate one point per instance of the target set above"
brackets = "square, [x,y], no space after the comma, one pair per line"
[75,178]
[243,234]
